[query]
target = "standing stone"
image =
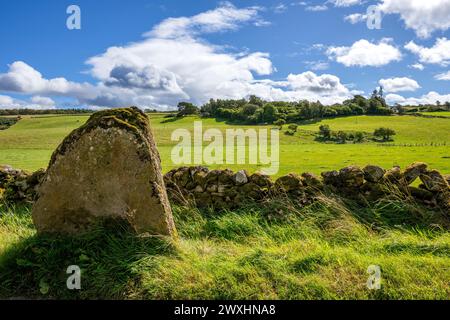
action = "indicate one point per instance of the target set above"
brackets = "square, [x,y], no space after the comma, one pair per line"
[108,169]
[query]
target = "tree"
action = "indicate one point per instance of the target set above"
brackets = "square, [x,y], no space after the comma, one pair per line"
[186,108]
[269,113]
[280,123]
[384,133]
[325,131]
[293,127]
[380,92]
[358,137]
[342,136]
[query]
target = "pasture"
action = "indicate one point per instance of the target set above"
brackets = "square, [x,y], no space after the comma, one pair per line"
[30,143]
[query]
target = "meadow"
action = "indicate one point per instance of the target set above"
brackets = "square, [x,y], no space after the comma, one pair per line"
[273,250]
[30,143]
[322,251]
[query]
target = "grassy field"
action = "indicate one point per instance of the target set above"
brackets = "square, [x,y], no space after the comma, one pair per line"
[30,143]
[273,250]
[440,113]
[318,252]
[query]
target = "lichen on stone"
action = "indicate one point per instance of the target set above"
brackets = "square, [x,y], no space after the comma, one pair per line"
[130,119]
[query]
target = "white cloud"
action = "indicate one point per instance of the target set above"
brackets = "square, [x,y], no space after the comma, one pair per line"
[22,78]
[43,101]
[172,63]
[422,16]
[6,102]
[437,54]
[316,8]
[37,102]
[345,3]
[355,18]
[417,66]
[443,76]
[399,84]
[429,98]
[364,53]
[226,17]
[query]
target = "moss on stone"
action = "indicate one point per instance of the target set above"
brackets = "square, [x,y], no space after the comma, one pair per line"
[130,119]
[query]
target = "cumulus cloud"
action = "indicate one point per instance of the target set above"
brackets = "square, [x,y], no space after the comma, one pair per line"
[6,102]
[36,102]
[363,53]
[173,63]
[429,98]
[399,84]
[439,53]
[22,78]
[43,101]
[422,16]
[443,76]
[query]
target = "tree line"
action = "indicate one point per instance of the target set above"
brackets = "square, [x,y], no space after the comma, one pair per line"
[255,110]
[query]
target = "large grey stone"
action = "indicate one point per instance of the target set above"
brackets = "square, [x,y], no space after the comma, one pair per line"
[107,169]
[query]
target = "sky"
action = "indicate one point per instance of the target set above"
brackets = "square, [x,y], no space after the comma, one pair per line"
[154,53]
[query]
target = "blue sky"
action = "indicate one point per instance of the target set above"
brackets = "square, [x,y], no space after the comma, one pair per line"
[157,53]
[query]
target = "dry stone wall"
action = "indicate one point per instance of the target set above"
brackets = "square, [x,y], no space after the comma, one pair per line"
[228,189]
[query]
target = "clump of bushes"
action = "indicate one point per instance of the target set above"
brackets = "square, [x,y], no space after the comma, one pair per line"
[380,135]
[292,129]
[326,134]
[384,134]
[5,123]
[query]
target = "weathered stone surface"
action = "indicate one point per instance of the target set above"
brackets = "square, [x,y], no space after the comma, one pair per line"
[107,169]
[413,171]
[331,178]
[434,181]
[311,180]
[351,177]
[289,182]
[373,173]
[447,178]
[240,178]
[393,175]
[261,180]
[420,194]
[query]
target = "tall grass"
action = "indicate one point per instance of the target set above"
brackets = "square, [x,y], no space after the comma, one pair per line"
[274,250]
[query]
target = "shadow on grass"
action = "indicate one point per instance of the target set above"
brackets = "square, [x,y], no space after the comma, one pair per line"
[111,260]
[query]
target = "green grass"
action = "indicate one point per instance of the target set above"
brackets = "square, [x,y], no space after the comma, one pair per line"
[438,113]
[29,143]
[275,251]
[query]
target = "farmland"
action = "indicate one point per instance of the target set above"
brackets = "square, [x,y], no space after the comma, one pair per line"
[30,143]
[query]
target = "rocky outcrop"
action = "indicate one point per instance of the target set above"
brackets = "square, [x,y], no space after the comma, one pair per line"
[108,169]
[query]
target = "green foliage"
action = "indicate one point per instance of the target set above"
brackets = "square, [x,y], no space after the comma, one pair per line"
[5,123]
[258,111]
[186,109]
[325,131]
[384,133]
[280,123]
[276,250]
